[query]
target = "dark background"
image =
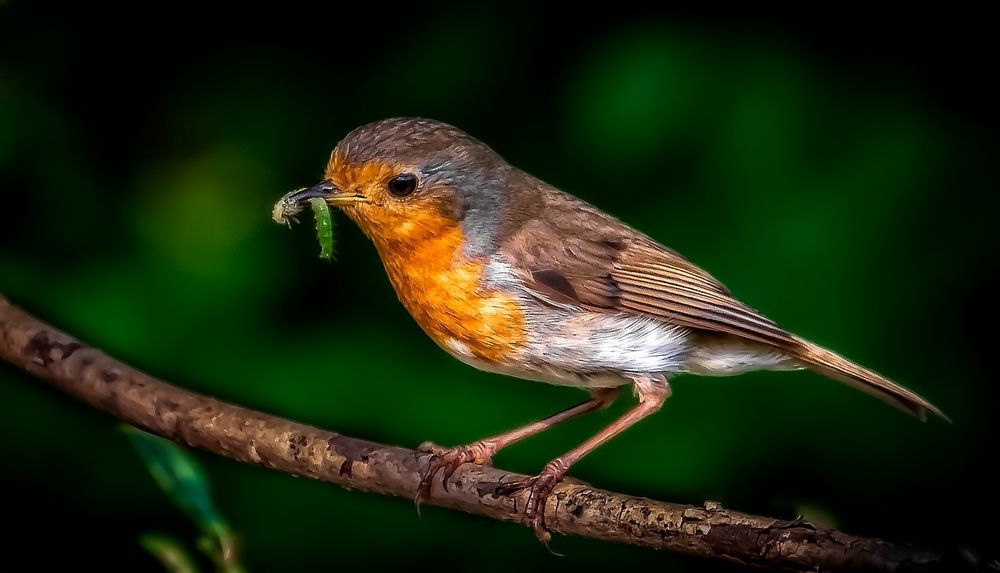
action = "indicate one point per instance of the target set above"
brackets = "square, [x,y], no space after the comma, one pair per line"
[834,169]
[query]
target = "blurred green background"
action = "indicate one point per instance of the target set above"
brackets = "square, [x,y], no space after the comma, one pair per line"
[832,171]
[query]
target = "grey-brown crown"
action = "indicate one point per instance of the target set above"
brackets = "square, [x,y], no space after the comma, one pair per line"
[416,141]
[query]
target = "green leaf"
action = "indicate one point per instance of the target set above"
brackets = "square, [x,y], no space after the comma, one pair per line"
[169,552]
[222,551]
[180,477]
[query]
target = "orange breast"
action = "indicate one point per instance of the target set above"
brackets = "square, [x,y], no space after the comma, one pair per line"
[444,292]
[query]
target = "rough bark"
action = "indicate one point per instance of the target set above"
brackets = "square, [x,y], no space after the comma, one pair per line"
[575,508]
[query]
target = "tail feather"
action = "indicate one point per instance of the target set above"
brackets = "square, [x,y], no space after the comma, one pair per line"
[843,370]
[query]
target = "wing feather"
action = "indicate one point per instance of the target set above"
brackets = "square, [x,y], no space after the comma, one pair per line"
[588,261]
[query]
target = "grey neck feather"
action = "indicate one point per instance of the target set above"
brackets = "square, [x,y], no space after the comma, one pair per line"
[479,203]
[480,211]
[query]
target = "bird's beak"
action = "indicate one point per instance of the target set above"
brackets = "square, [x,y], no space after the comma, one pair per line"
[325,190]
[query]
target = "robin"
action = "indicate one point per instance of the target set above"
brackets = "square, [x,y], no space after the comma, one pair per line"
[511,275]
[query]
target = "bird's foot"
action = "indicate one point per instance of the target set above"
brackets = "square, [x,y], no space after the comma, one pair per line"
[539,488]
[446,460]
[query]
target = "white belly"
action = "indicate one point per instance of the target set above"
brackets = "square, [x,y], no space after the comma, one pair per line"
[589,350]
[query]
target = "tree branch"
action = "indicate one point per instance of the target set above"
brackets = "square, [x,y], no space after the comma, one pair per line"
[574,508]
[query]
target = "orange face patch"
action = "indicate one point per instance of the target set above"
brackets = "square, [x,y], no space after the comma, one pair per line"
[349,178]
[387,220]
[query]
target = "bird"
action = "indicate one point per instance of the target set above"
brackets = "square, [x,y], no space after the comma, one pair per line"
[513,276]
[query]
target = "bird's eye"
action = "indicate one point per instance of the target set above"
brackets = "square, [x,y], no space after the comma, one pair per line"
[403,184]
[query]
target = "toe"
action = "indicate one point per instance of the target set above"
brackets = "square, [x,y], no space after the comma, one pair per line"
[447,460]
[534,510]
[510,488]
[429,447]
[538,526]
[424,489]
[448,470]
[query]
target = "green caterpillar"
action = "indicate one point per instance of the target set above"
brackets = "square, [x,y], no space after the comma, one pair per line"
[324,227]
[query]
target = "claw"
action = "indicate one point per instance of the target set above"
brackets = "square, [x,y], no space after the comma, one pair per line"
[417,500]
[446,462]
[539,488]
[510,488]
[538,526]
[448,471]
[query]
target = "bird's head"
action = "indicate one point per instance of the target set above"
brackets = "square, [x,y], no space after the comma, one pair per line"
[406,180]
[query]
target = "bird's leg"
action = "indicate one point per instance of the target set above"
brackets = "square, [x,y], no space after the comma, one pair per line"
[652,391]
[447,460]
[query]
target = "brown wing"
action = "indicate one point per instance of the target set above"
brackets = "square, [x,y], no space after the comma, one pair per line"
[569,252]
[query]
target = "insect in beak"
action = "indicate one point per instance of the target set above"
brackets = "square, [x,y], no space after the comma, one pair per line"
[292,203]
